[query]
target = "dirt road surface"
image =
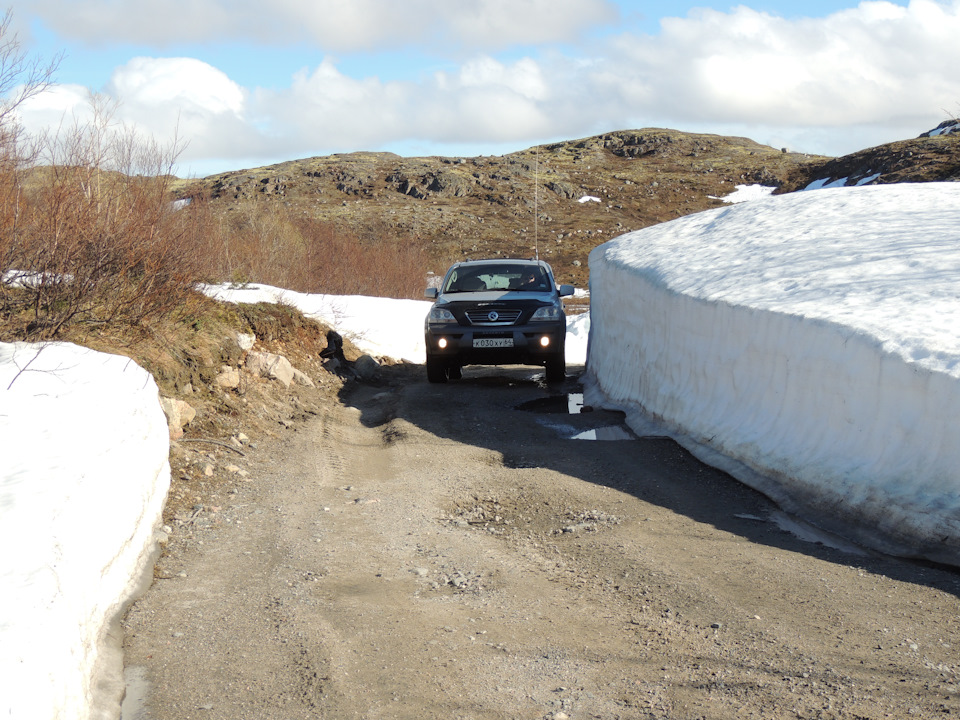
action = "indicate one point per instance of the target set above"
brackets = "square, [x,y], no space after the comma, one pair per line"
[421,551]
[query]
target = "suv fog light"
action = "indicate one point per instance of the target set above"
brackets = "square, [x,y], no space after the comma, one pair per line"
[442,343]
[545,341]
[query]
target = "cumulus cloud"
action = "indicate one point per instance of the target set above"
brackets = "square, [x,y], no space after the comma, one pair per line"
[167,98]
[186,97]
[852,67]
[486,101]
[334,25]
[870,74]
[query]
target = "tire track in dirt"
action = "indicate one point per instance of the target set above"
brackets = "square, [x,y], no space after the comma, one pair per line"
[418,552]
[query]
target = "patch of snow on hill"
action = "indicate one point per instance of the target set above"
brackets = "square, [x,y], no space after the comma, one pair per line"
[947,127]
[746,193]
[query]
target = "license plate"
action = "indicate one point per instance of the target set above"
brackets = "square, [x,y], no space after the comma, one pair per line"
[492,342]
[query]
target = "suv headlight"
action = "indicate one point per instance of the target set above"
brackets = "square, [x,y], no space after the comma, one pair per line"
[439,315]
[551,312]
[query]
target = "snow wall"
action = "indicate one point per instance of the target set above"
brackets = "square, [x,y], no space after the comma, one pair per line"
[809,345]
[83,479]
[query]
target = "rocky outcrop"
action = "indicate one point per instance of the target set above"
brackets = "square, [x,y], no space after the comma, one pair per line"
[933,157]
[498,205]
[947,127]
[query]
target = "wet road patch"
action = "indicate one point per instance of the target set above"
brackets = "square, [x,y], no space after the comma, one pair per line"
[582,422]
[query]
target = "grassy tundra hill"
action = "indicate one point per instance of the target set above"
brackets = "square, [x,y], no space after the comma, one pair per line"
[485,206]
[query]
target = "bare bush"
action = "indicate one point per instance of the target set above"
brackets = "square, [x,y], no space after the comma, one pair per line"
[96,238]
[266,243]
[88,232]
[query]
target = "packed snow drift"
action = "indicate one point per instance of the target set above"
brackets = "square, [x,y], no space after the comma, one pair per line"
[807,343]
[382,327]
[84,478]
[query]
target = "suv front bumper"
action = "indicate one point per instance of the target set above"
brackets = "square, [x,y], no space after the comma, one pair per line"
[531,344]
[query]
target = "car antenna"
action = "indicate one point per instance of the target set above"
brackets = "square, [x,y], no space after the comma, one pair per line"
[536,205]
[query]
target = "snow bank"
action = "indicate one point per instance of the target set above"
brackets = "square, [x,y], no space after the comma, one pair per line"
[382,327]
[809,344]
[578,336]
[379,326]
[83,479]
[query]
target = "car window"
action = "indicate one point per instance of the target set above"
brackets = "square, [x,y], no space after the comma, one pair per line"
[497,277]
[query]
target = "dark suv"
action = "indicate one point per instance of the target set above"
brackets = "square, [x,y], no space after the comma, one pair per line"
[496,312]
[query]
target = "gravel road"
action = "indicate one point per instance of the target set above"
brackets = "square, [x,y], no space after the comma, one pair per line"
[423,551]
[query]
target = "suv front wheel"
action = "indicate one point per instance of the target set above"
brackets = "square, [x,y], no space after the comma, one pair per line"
[556,368]
[436,369]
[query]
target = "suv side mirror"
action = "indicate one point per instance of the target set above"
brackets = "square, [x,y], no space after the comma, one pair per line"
[430,292]
[566,290]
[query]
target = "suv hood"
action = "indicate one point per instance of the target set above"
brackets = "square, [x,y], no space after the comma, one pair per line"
[488,296]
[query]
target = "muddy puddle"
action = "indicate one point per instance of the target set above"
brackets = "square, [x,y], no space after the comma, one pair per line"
[581,422]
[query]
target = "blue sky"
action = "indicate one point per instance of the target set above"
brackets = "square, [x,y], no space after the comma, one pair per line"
[252,82]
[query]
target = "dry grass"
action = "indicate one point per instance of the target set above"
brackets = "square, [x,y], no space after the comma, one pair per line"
[267,243]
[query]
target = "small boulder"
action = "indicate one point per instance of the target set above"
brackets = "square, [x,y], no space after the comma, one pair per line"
[179,413]
[366,368]
[228,378]
[271,366]
[245,341]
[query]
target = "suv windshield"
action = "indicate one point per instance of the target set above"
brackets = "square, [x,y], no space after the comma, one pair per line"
[478,278]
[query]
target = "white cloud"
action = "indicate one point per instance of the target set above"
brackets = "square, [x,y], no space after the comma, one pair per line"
[51,108]
[184,82]
[523,77]
[186,98]
[852,67]
[334,25]
[870,74]
[164,97]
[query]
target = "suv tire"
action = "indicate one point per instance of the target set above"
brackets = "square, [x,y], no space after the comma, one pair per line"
[556,368]
[436,369]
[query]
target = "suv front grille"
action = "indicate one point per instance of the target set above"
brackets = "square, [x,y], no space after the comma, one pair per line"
[506,316]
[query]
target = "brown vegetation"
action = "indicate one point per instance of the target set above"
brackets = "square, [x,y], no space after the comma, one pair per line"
[514,205]
[90,235]
[271,244]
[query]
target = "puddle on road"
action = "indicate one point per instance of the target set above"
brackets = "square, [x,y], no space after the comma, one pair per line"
[572,404]
[569,404]
[611,432]
[570,432]
[806,532]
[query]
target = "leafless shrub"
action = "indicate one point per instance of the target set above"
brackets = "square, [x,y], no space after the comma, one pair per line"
[95,232]
[21,77]
[267,243]
[88,233]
